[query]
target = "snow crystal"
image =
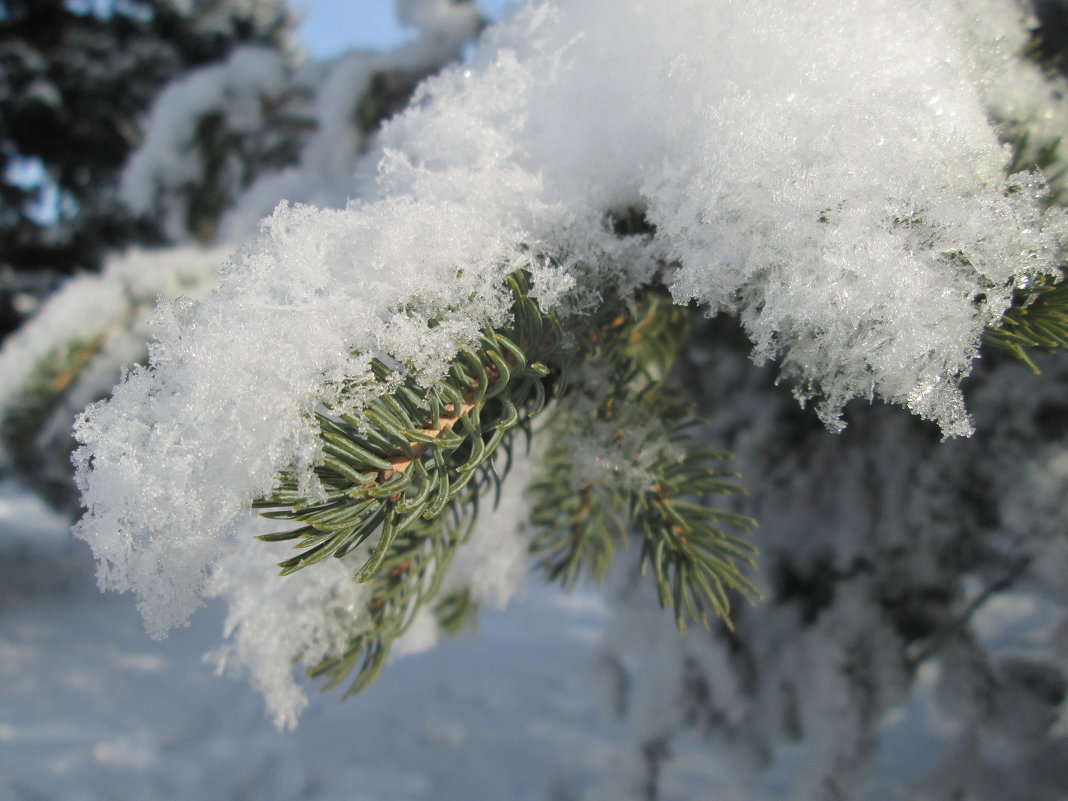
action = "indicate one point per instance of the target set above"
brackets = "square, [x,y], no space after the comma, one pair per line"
[827,172]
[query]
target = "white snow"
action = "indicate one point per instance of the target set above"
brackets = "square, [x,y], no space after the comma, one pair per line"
[827,172]
[92,710]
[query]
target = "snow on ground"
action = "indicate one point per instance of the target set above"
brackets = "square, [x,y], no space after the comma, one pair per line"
[92,709]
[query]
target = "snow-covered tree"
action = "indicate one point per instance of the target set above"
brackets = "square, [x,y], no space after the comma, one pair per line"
[515,329]
[76,79]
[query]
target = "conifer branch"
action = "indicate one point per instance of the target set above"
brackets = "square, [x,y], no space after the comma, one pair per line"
[692,552]
[407,577]
[44,390]
[412,466]
[648,469]
[411,453]
[1037,320]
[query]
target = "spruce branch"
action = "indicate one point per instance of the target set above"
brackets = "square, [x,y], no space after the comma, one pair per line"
[32,436]
[413,465]
[644,473]
[1037,320]
[43,390]
[694,556]
[647,470]
[410,453]
[407,577]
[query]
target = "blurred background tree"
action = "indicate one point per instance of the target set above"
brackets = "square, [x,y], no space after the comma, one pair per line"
[76,82]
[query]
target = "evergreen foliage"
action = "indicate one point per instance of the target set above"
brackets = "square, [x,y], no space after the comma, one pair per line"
[1037,320]
[43,393]
[413,466]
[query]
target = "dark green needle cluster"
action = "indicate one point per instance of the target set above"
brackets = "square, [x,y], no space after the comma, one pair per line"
[409,454]
[401,480]
[1037,320]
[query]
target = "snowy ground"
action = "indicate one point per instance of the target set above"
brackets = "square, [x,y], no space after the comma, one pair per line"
[91,708]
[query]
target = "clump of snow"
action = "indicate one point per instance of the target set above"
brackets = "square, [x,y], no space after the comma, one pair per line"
[827,172]
[274,622]
[619,453]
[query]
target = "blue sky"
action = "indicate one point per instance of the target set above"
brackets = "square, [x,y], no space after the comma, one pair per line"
[328,27]
[332,26]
